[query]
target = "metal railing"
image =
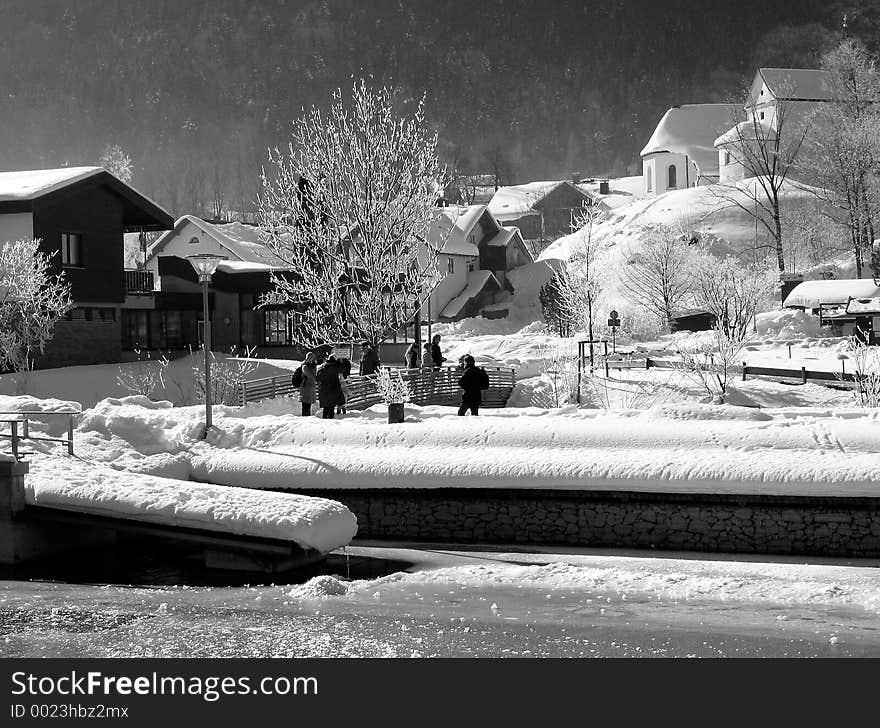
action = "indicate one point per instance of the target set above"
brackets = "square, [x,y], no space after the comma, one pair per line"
[23,417]
[426,387]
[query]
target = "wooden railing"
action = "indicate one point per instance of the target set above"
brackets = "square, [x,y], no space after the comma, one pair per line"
[16,435]
[426,387]
[139,282]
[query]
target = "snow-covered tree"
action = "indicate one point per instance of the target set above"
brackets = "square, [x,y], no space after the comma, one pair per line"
[348,207]
[845,157]
[731,291]
[657,275]
[116,162]
[32,299]
[569,297]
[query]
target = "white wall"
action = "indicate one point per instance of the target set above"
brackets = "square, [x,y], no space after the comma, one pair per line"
[16,226]
[657,165]
[450,286]
[178,244]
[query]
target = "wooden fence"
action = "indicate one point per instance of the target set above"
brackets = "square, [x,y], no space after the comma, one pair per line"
[802,374]
[428,387]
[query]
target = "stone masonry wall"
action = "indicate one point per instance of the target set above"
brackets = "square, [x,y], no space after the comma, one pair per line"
[750,524]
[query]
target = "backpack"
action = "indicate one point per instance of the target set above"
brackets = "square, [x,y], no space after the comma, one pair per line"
[297,379]
[483,378]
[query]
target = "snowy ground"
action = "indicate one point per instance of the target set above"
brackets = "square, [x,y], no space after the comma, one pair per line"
[415,602]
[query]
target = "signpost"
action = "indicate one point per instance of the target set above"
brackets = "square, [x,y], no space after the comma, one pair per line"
[613,324]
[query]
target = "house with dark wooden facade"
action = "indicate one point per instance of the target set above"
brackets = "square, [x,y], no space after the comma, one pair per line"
[81,214]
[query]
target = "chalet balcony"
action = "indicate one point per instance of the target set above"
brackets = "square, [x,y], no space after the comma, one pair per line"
[139,283]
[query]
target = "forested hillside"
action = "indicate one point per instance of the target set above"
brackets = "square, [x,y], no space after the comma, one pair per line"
[195,90]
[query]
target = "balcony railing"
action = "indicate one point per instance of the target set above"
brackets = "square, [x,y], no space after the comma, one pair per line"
[139,282]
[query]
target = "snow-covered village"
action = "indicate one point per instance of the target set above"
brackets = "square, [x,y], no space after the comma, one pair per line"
[340,329]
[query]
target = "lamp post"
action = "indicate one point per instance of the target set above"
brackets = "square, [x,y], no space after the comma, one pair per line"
[205,264]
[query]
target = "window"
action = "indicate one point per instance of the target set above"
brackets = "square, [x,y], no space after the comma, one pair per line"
[672,174]
[762,116]
[450,265]
[650,180]
[71,249]
[726,157]
[135,329]
[277,327]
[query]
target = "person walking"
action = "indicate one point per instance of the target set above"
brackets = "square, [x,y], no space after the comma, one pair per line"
[436,353]
[411,356]
[472,383]
[344,373]
[308,390]
[369,360]
[329,388]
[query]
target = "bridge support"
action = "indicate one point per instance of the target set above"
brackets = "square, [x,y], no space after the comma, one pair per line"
[23,539]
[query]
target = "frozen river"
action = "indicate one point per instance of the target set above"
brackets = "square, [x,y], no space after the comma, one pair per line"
[421,602]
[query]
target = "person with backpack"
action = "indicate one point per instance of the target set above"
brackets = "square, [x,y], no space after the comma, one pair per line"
[472,383]
[308,383]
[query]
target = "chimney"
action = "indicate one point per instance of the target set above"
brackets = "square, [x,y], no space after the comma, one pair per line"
[604,187]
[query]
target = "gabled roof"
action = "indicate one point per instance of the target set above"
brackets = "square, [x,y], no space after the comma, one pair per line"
[452,226]
[691,129]
[796,84]
[478,282]
[516,201]
[243,242]
[20,189]
[746,131]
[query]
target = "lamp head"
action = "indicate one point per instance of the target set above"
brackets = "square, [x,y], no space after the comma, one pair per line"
[205,264]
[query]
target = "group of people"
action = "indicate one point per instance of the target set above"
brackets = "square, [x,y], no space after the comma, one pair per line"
[323,377]
[431,357]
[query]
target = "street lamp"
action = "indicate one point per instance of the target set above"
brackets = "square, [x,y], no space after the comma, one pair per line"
[205,264]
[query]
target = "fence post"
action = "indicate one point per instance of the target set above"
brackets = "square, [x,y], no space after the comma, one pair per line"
[803,375]
[25,430]
[745,370]
[14,429]
[607,371]
[242,393]
[70,434]
[606,348]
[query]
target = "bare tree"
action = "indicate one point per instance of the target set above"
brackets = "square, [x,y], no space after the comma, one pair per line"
[348,208]
[731,291]
[657,276]
[845,157]
[711,363]
[767,151]
[577,284]
[32,299]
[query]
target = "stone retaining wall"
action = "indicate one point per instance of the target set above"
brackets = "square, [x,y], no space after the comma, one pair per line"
[750,524]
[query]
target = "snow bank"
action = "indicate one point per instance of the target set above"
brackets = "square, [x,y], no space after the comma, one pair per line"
[790,324]
[68,484]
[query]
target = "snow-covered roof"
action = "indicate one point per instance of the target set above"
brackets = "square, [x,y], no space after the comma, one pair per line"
[691,129]
[30,184]
[810,294]
[241,266]
[243,242]
[514,201]
[798,84]
[621,191]
[864,306]
[502,238]
[452,226]
[477,280]
[745,131]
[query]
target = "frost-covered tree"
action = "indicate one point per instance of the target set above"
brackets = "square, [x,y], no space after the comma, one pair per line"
[731,291]
[845,157]
[116,162]
[32,299]
[348,207]
[657,275]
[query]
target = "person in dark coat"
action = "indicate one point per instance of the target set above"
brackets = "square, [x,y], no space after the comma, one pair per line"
[436,354]
[308,390]
[329,387]
[470,385]
[369,360]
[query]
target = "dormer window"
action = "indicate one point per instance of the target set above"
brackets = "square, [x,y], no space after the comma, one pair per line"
[194,240]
